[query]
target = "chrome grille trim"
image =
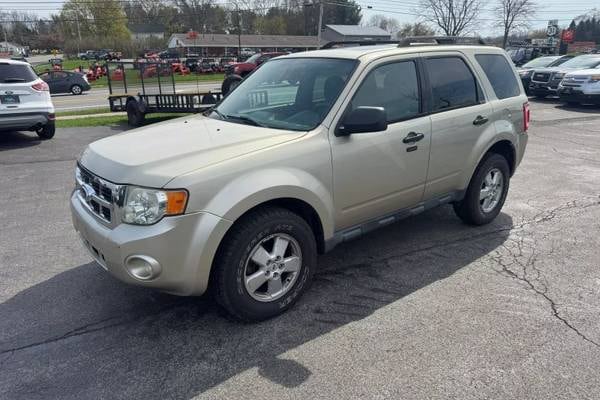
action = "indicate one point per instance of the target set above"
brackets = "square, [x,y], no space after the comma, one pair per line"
[99,196]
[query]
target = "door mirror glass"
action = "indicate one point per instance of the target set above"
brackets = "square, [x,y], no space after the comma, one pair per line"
[362,120]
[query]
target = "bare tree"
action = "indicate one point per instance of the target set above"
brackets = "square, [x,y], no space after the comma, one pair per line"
[388,24]
[515,14]
[453,17]
[414,29]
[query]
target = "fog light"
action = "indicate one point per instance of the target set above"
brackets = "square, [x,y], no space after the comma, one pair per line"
[143,268]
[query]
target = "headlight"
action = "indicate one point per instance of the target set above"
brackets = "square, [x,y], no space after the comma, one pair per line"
[147,206]
[525,73]
[558,76]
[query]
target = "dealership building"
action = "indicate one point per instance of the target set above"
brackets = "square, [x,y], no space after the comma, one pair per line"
[217,44]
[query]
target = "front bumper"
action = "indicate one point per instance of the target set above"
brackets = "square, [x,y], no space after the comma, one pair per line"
[25,121]
[542,89]
[184,246]
[570,95]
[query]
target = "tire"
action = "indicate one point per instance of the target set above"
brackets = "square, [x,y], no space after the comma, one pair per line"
[472,209]
[135,117]
[230,83]
[248,301]
[47,131]
[76,90]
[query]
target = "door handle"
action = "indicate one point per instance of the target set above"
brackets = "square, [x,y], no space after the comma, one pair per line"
[413,137]
[480,120]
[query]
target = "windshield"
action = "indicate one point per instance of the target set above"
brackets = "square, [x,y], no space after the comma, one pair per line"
[291,93]
[582,62]
[540,62]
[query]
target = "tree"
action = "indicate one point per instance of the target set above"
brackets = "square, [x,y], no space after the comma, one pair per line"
[101,19]
[453,17]
[415,29]
[514,14]
[388,24]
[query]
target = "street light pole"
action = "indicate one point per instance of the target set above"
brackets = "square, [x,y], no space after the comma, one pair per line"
[239,31]
[320,24]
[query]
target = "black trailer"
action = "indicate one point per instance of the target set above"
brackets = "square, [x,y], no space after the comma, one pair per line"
[141,88]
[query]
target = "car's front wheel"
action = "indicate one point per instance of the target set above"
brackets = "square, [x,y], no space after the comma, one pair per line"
[265,264]
[487,191]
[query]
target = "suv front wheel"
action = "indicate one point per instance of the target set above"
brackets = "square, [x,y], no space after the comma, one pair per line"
[265,264]
[486,192]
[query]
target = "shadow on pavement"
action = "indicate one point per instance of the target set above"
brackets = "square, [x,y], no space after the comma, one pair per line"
[82,334]
[13,140]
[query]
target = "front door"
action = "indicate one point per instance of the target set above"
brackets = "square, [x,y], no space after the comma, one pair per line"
[381,172]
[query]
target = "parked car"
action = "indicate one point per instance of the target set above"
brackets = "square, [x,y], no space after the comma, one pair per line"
[527,69]
[192,64]
[581,87]
[545,81]
[311,150]
[244,68]
[66,82]
[88,55]
[25,102]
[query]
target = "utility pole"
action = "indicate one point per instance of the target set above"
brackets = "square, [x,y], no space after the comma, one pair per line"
[320,24]
[239,30]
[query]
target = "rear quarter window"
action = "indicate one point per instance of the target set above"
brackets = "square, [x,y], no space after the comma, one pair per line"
[16,73]
[500,74]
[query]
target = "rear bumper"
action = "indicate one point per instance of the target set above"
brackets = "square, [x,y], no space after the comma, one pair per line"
[25,121]
[577,96]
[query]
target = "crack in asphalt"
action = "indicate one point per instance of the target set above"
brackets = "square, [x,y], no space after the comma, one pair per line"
[541,289]
[544,216]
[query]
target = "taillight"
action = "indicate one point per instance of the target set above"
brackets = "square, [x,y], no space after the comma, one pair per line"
[41,87]
[526,116]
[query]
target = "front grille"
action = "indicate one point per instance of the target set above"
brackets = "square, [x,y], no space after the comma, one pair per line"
[574,81]
[541,77]
[97,195]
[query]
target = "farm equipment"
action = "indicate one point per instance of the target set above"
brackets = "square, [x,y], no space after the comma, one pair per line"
[151,87]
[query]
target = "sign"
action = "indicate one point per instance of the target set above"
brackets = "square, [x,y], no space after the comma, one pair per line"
[552,30]
[568,36]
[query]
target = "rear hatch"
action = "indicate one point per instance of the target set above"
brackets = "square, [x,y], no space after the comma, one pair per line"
[21,90]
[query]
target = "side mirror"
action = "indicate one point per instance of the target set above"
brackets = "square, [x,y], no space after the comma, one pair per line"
[363,120]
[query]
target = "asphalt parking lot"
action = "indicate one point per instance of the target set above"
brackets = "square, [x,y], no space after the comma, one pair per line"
[427,308]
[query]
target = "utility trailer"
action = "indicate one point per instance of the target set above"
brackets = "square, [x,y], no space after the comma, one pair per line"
[141,88]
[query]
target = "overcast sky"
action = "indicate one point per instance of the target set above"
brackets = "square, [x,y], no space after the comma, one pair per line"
[402,10]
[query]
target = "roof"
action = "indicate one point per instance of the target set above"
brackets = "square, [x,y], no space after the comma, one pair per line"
[226,40]
[146,28]
[357,30]
[376,51]
[14,62]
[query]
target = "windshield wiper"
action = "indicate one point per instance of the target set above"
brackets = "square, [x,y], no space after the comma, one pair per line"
[246,119]
[10,80]
[219,113]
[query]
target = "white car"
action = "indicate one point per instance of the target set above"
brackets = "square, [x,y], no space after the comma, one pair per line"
[25,102]
[581,86]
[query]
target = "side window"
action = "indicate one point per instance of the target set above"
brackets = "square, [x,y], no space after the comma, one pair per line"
[500,75]
[393,86]
[452,83]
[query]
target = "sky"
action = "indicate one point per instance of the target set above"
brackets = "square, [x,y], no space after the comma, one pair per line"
[402,10]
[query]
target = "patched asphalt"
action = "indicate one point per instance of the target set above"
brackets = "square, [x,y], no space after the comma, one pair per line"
[426,308]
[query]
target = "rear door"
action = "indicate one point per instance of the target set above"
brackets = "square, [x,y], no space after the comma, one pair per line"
[459,115]
[16,91]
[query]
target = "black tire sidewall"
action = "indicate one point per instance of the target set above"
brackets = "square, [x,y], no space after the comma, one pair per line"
[134,115]
[229,80]
[238,301]
[47,132]
[471,207]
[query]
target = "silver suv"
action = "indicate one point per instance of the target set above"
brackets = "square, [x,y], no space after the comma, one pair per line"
[311,150]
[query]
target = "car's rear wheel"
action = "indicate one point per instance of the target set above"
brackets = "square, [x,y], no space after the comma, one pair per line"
[76,89]
[265,264]
[487,191]
[47,131]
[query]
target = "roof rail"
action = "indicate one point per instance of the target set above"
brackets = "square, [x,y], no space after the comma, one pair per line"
[440,40]
[350,43]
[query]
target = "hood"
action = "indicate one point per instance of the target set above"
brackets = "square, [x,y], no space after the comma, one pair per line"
[558,69]
[583,72]
[154,155]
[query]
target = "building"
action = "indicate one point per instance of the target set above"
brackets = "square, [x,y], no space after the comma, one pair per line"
[216,44]
[346,33]
[13,49]
[146,31]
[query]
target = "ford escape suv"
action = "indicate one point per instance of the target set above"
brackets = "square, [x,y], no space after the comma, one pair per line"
[312,150]
[25,102]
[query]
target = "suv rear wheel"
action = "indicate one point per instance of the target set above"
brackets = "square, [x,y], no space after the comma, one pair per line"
[486,192]
[46,132]
[265,264]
